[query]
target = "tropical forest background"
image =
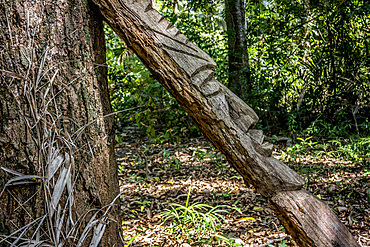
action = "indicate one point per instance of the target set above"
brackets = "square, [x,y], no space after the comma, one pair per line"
[309,67]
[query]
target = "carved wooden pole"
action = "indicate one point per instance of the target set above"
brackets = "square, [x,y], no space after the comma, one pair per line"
[188,74]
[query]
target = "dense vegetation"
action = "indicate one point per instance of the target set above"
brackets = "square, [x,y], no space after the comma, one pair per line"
[310,66]
[310,81]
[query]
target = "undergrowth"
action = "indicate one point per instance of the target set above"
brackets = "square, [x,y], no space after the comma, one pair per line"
[355,149]
[197,224]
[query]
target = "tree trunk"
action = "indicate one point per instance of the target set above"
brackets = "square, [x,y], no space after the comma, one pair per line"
[187,73]
[239,72]
[56,149]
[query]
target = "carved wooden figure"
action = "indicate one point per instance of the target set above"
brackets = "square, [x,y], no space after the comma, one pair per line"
[188,74]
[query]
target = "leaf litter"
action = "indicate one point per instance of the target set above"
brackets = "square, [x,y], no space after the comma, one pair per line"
[153,175]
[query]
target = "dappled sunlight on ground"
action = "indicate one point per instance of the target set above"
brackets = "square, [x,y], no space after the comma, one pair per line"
[152,176]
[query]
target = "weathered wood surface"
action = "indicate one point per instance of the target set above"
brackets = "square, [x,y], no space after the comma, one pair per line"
[188,74]
[53,96]
[310,221]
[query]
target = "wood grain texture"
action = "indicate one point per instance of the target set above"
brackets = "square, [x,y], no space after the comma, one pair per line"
[188,74]
[307,211]
[53,96]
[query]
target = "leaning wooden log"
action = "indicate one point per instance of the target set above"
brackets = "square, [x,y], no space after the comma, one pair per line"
[188,74]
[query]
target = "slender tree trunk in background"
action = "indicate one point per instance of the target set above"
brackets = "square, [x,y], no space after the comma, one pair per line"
[187,73]
[239,73]
[53,96]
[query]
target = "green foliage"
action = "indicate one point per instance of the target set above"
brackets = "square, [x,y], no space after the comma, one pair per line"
[203,23]
[155,111]
[201,153]
[283,244]
[197,223]
[143,203]
[131,240]
[310,64]
[131,87]
[169,157]
[355,148]
[310,60]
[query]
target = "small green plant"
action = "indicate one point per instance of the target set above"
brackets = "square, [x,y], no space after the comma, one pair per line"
[197,223]
[283,244]
[303,147]
[166,154]
[131,240]
[121,168]
[176,163]
[134,177]
[171,134]
[143,204]
[199,153]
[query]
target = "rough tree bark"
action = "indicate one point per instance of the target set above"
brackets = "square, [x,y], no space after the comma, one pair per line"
[187,73]
[56,149]
[239,73]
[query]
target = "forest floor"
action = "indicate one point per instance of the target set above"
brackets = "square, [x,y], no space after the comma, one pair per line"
[152,176]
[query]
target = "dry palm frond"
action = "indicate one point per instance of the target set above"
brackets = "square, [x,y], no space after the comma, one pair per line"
[59,225]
